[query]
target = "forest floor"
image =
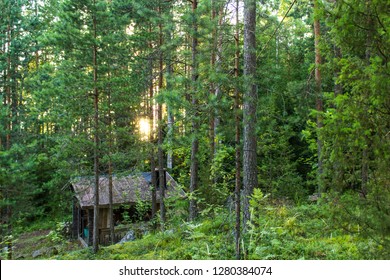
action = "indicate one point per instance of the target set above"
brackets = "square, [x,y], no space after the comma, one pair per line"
[277,231]
[41,244]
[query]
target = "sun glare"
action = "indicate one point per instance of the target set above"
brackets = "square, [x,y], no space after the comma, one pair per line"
[144,128]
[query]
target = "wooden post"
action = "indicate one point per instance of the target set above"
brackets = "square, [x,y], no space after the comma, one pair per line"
[75,224]
[90,226]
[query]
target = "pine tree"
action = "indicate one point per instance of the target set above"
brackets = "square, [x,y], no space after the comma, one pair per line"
[249,109]
[318,92]
[237,189]
[161,172]
[194,169]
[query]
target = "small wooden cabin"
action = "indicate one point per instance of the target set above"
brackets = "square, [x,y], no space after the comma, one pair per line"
[126,191]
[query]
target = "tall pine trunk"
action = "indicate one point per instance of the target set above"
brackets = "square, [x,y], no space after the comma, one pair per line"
[160,153]
[151,138]
[195,123]
[110,183]
[8,84]
[96,138]
[237,190]
[170,117]
[249,109]
[215,61]
[8,127]
[318,93]
[214,86]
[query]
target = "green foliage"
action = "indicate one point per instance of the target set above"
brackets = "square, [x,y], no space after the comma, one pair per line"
[142,208]
[364,217]
[309,231]
[355,132]
[57,236]
[205,240]
[5,243]
[223,173]
[47,114]
[177,210]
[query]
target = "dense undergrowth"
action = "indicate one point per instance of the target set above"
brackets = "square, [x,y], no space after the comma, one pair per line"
[277,231]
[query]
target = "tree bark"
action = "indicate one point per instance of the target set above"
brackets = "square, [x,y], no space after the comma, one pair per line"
[237,190]
[169,110]
[96,138]
[151,139]
[195,125]
[110,184]
[249,109]
[318,92]
[213,89]
[8,84]
[215,61]
[36,41]
[160,153]
[8,127]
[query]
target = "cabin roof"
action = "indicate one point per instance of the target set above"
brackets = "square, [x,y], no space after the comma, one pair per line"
[125,189]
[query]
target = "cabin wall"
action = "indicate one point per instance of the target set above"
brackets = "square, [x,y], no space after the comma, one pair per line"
[90,226]
[76,220]
[82,226]
[104,218]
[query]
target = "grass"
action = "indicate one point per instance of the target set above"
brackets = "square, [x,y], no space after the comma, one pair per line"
[39,244]
[278,231]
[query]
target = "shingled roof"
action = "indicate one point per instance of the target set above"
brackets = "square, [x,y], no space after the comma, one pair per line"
[126,189]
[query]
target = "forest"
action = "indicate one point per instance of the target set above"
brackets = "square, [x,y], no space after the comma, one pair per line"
[273,117]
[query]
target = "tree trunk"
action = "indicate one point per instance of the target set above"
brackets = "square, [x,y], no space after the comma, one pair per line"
[237,190]
[36,41]
[9,241]
[8,127]
[318,91]
[169,111]
[217,11]
[151,139]
[249,110]
[170,117]
[96,140]
[213,89]
[8,85]
[195,125]
[111,208]
[161,174]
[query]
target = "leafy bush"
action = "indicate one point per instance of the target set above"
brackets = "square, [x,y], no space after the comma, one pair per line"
[277,230]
